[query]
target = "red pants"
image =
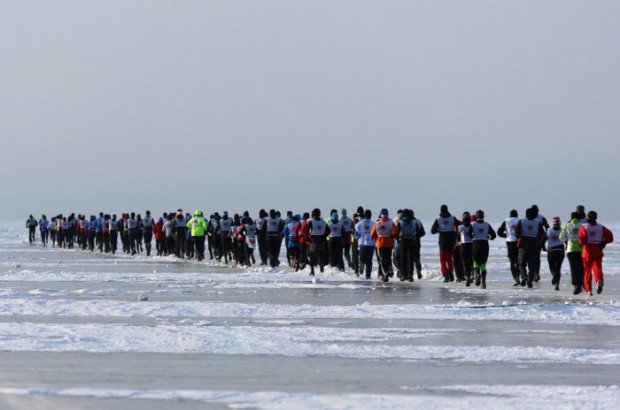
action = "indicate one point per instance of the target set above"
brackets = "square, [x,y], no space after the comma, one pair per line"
[592,265]
[445,261]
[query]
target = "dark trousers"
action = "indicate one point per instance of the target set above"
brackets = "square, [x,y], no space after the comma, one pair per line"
[68,239]
[273,249]
[416,256]
[226,245]
[262,248]
[180,242]
[335,253]
[113,241]
[355,255]
[317,252]
[366,254]
[575,262]
[385,259]
[199,244]
[99,240]
[407,257]
[467,258]
[217,246]
[480,252]
[133,240]
[527,262]
[346,245]
[190,247]
[148,238]
[31,232]
[537,264]
[555,257]
[169,245]
[44,235]
[210,245]
[160,246]
[106,242]
[91,241]
[121,234]
[513,258]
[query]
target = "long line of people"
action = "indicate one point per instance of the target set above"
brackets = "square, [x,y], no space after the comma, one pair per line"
[314,241]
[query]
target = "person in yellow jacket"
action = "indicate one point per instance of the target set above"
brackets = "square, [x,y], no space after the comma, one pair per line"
[198,227]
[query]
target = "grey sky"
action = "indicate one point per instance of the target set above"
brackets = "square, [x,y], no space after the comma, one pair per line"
[129,105]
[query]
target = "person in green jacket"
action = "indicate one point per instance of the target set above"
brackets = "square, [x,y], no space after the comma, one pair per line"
[570,235]
[198,227]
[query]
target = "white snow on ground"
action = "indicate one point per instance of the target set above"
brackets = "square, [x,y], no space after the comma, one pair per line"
[497,396]
[283,341]
[601,314]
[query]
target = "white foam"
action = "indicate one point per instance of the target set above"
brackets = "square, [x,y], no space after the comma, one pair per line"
[602,314]
[467,397]
[358,343]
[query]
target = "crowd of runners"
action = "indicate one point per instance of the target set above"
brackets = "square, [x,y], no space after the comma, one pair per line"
[340,241]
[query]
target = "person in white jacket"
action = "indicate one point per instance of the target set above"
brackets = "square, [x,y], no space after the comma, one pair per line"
[365,242]
[507,230]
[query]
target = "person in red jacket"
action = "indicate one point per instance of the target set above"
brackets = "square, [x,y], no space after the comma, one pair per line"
[383,233]
[303,240]
[593,237]
[160,236]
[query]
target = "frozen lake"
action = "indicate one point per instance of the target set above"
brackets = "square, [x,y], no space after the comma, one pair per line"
[74,334]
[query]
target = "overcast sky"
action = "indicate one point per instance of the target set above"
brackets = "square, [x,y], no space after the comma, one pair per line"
[134,105]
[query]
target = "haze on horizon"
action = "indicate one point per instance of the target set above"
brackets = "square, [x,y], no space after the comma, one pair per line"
[122,106]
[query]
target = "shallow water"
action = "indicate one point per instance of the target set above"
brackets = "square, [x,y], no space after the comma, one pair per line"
[76,334]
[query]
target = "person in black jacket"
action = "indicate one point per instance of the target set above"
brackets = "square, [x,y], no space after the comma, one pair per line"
[529,232]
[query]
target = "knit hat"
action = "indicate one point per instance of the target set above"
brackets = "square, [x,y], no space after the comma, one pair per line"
[384,212]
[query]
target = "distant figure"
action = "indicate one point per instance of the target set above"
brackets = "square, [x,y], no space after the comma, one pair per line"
[555,251]
[52,230]
[581,211]
[507,230]
[529,232]
[482,232]
[365,242]
[545,225]
[446,226]
[570,235]
[274,225]
[292,242]
[44,229]
[169,234]
[198,228]
[593,238]
[31,224]
[383,233]
[347,225]
[316,232]
[410,230]
[113,234]
[466,247]
[250,231]
[147,226]
[336,243]
[160,237]
[261,235]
